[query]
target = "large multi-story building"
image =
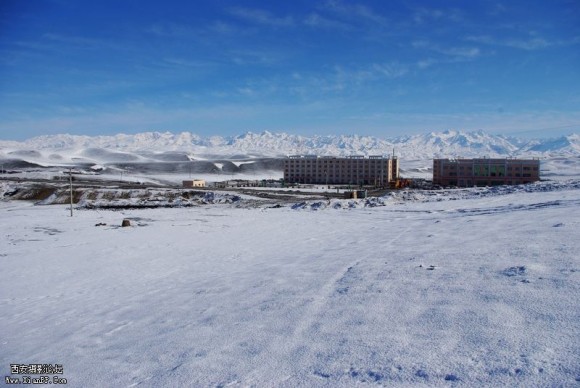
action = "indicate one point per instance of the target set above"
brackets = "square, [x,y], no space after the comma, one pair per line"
[352,170]
[485,172]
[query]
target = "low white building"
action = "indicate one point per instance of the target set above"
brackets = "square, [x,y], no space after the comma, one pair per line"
[194,183]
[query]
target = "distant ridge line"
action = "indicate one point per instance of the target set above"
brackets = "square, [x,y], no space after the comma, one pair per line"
[450,143]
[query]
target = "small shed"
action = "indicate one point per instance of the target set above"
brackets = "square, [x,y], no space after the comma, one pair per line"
[194,183]
[355,194]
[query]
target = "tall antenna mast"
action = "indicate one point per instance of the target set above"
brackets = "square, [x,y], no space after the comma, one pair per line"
[71,191]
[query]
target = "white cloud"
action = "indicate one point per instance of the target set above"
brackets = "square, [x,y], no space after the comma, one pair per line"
[498,8]
[464,52]
[391,70]
[354,11]
[530,44]
[248,92]
[254,57]
[172,30]
[458,53]
[423,15]
[533,42]
[223,28]
[316,21]
[425,63]
[259,16]
[350,78]
[179,62]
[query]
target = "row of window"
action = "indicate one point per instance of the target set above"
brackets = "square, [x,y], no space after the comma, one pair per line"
[338,164]
[336,169]
[447,167]
[517,174]
[455,167]
[335,176]
[462,183]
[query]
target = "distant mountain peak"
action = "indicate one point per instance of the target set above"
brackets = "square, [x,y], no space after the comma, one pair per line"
[449,143]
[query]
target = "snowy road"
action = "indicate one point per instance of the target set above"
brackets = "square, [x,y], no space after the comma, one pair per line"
[474,291]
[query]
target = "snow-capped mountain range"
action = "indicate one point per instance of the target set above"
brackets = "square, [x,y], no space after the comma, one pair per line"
[423,146]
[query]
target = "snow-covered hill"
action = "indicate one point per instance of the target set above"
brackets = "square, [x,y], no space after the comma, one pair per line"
[462,288]
[422,146]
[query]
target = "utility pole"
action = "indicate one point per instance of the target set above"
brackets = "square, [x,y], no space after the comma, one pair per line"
[71,192]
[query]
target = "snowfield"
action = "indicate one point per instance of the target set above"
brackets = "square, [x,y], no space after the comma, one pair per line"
[475,287]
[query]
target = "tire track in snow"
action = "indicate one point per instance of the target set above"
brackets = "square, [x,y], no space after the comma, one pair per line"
[329,288]
[512,208]
[286,347]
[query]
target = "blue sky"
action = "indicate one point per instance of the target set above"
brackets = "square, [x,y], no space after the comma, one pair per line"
[381,68]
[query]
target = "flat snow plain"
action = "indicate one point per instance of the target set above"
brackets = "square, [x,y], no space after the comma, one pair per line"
[444,290]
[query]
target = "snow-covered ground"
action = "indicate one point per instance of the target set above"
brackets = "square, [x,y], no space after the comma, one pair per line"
[478,287]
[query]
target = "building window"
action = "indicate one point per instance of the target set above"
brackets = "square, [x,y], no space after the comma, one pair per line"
[480,170]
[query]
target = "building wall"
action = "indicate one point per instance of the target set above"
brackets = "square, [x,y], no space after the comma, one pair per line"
[354,170]
[485,172]
[194,183]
